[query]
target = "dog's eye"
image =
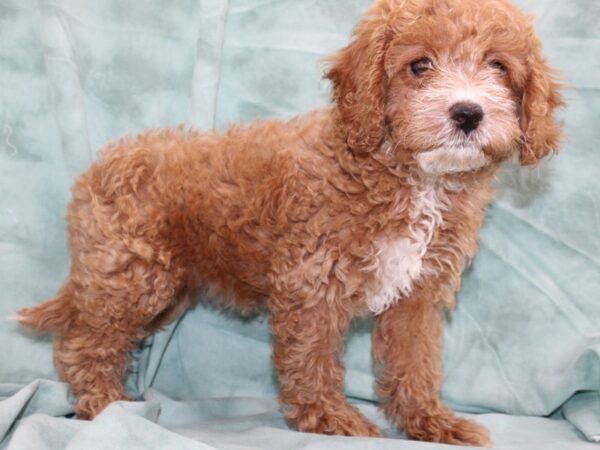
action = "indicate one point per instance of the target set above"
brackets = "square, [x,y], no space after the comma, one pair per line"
[495,64]
[420,66]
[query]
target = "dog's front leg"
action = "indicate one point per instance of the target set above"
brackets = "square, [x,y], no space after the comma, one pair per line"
[406,349]
[307,341]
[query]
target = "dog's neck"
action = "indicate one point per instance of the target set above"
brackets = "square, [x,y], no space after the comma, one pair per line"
[402,245]
[383,173]
[387,159]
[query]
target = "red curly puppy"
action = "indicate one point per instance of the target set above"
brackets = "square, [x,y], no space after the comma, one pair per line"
[371,205]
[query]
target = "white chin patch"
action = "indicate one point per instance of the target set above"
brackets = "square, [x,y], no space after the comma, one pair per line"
[444,160]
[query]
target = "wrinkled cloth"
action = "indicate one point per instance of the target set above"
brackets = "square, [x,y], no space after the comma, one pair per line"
[524,339]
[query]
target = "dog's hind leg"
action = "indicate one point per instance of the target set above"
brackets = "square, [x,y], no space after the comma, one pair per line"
[93,360]
[113,312]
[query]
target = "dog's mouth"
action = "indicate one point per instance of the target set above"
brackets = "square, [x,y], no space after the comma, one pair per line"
[452,159]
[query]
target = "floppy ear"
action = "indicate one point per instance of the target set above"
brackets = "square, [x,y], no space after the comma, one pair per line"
[541,133]
[359,81]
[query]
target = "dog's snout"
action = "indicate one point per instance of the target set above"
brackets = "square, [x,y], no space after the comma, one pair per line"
[466,115]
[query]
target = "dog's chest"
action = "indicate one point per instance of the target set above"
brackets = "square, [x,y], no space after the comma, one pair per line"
[401,259]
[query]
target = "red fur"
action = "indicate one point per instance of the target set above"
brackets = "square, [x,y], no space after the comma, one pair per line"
[287,217]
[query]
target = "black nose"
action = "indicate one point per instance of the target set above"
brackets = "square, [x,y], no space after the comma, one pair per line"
[466,115]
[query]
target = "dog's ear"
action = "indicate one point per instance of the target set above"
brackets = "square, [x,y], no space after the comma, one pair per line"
[541,132]
[359,82]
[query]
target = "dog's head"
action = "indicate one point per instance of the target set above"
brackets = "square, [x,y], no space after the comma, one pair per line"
[453,85]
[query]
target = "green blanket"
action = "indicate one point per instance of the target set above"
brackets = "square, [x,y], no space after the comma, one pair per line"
[524,340]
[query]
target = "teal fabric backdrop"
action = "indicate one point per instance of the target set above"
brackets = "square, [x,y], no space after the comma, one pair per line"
[523,342]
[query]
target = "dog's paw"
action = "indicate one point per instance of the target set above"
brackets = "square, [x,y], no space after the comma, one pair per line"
[89,406]
[345,421]
[447,428]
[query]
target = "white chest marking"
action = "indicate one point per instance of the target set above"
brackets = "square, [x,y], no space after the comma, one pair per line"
[401,259]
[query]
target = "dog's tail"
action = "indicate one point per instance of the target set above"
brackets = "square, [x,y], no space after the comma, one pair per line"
[52,315]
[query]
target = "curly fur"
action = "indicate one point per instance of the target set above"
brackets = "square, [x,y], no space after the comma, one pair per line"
[371,204]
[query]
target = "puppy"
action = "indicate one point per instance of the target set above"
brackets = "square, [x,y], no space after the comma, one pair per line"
[371,205]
